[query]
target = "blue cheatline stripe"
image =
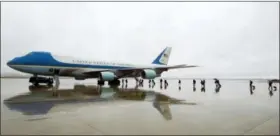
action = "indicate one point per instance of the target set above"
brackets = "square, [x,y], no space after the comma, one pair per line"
[46,59]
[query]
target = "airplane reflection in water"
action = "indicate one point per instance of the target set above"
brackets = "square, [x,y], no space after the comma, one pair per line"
[86,94]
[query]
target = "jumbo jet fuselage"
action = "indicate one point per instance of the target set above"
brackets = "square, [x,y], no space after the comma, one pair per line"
[44,63]
[47,64]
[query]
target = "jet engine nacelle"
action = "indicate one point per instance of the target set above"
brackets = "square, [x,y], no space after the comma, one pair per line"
[107,76]
[148,74]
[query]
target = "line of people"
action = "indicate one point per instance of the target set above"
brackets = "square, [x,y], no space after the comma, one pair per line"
[270,87]
[202,82]
[152,83]
[124,83]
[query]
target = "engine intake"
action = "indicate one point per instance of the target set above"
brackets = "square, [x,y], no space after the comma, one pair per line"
[148,74]
[107,76]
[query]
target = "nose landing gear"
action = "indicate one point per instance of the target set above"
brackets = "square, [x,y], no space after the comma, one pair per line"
[36,80]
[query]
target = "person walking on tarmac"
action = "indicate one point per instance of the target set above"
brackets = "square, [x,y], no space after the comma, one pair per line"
[269,85]
[179,82]
[251,83]
[194,83]
[160,83]
[202,82]
[252,87]
[165,83]
[140,82]
[153,81]
[217,82]
[123,81]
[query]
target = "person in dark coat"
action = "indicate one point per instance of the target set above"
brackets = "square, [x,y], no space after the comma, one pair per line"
[194,82]
[179,82]
[270,85]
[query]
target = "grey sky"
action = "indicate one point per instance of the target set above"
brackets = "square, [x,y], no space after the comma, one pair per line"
[226,39]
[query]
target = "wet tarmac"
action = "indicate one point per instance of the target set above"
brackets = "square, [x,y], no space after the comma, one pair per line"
[82,107]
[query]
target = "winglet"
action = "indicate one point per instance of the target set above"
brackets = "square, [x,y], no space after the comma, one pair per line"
[163,57]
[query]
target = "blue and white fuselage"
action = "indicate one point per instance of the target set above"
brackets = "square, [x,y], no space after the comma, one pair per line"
[47,64]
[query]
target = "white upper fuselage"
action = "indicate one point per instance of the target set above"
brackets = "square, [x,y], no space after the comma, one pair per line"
[73,60]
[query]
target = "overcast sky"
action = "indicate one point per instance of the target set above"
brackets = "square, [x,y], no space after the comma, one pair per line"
[226,39]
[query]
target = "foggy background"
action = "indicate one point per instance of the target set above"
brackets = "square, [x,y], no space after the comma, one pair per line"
[225,39]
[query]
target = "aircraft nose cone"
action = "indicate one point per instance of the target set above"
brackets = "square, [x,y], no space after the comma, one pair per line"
[9,63]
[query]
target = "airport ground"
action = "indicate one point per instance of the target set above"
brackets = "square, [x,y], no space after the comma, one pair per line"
[84,108]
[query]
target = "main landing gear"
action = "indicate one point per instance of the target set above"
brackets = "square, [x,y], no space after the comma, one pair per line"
[100,82]
[35,80]
[113,82]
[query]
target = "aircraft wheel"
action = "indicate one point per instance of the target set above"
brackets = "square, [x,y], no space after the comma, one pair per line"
[36,84]
[114,82]
[118,82]
[50,83]
[100,82]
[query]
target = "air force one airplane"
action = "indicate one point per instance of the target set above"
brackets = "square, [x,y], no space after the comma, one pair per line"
[47,64]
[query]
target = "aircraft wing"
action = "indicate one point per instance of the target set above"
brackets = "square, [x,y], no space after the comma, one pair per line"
[178,66]
[137,70]
[160,67]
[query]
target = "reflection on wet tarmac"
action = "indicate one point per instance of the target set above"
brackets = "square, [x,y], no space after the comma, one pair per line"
[217,89]
[270,93]
[40,100]
[251,91]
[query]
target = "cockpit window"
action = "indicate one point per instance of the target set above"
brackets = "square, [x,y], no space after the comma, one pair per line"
[37,52]
[29,53]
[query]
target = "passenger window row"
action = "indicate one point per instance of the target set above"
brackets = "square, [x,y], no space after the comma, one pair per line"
[97,62]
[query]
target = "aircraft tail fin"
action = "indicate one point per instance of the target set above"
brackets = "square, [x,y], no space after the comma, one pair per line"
[163,57]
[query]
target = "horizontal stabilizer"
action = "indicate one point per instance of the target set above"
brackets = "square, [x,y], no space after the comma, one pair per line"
[181,66]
